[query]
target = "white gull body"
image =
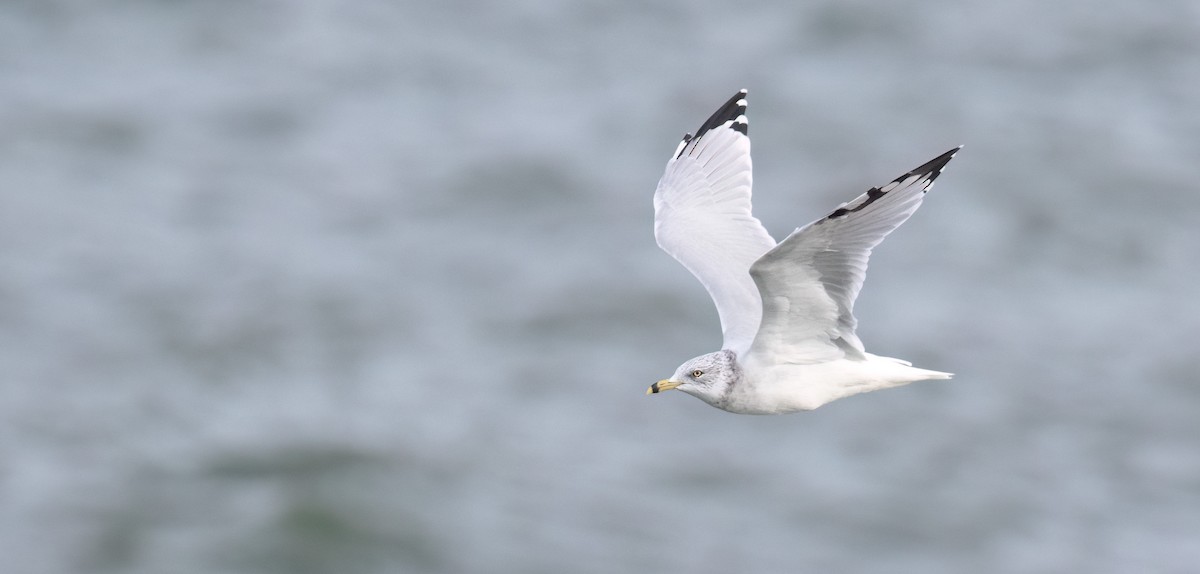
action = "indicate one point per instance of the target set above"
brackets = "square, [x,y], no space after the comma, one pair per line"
[786,309]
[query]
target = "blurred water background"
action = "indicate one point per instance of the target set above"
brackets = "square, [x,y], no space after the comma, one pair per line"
[357,287]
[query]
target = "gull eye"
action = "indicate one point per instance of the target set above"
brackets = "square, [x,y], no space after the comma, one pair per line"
[696,373]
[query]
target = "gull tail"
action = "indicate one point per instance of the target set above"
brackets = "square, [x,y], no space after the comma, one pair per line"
[932,375]
[912,374]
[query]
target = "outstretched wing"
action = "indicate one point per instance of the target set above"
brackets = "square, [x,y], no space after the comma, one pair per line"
[702,218]
[810,280]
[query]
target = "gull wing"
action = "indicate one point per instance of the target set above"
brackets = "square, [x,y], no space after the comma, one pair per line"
[702,218]
[809,281]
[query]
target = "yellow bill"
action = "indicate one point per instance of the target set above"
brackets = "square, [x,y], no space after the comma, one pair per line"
[663,385]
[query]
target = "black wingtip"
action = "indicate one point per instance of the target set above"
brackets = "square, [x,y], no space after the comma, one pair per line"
[729,112]
[926,173]
[932,168]
[733,107]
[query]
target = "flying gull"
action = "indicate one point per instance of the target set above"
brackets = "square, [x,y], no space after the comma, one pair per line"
[787,308]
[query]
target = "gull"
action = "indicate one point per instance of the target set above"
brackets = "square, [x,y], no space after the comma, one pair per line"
[786,309]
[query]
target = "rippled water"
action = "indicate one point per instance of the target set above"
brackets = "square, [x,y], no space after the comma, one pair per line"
[371,287]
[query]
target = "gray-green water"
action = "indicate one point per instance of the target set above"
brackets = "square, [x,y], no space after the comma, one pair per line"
[371,287]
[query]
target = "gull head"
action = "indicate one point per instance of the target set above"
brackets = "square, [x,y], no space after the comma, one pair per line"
[707,377]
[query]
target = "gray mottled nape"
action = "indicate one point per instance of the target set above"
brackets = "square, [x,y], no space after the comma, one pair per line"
[734,368]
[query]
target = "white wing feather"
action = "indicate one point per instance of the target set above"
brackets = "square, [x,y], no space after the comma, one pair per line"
[702,218]
[808,283]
